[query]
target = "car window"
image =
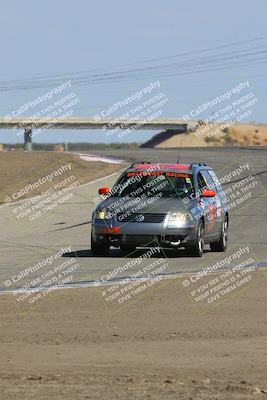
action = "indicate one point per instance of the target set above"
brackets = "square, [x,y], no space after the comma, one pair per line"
[209,180]
[202,184]
[215,180]
[220,191]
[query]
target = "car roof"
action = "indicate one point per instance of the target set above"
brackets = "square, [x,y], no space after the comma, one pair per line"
[146,165]
[163,166]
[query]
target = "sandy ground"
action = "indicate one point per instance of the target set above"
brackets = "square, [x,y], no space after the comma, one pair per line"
[161,346]
[19,169]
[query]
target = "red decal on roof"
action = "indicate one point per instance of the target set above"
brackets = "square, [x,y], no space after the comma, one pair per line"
[145,173]
[163,166]
[178,174]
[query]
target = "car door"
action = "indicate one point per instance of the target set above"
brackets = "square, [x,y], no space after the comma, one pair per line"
[217,200]
[209,204]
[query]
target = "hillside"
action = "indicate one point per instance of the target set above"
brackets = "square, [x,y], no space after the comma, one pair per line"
[212,135]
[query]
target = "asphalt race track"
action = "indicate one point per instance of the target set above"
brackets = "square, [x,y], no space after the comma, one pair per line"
[24,243]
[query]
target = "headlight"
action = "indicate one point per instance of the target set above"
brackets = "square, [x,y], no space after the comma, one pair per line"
[180,216]
[102,214]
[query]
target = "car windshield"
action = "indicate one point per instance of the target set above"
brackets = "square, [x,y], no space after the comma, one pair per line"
[157,183]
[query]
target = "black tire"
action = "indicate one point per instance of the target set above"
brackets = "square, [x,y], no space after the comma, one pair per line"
[99,249]
[221,244]
[127,248]
[196,247]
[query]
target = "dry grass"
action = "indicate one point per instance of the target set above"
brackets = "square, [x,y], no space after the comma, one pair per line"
[19,169]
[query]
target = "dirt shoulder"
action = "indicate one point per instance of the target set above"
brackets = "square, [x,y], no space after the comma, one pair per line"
[21,169]
[159,347]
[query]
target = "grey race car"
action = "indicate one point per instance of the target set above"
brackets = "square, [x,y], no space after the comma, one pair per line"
[167,205]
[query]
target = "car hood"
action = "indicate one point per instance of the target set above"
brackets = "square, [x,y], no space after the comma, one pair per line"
[147,205]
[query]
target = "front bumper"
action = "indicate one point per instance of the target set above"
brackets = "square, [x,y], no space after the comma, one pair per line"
[142,234]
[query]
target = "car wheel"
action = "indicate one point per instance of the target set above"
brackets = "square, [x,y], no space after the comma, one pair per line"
[221,244]
[127,248]
[98,248]
[196,248]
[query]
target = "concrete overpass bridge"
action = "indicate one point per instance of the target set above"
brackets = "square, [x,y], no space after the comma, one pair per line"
[28,124]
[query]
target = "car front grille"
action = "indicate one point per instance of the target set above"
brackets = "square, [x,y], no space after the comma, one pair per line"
[141,218]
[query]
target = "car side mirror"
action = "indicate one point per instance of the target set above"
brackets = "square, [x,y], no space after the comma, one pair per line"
[208,193]
[104,190]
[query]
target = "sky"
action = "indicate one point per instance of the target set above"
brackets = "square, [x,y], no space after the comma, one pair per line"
[109,51]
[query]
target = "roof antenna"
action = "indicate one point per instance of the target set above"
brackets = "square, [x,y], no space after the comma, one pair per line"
[179,151]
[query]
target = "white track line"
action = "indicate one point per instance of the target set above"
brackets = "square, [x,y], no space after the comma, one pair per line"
[120,281]
[92,157]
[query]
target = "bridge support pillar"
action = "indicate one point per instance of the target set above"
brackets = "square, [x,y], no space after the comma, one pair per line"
[28,139]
